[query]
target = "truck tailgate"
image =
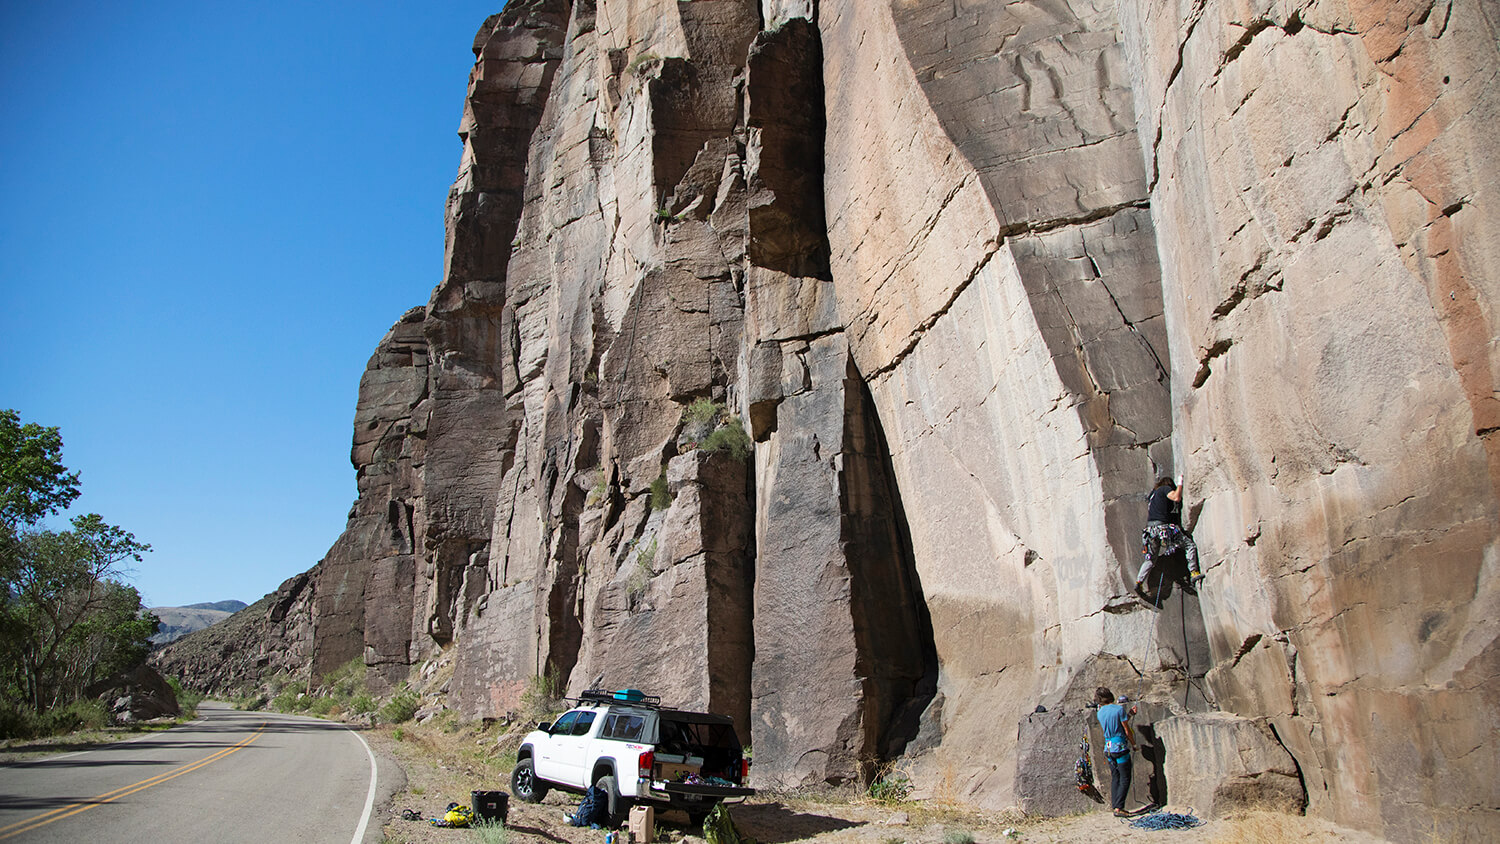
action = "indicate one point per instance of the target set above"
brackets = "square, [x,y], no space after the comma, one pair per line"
[707,790]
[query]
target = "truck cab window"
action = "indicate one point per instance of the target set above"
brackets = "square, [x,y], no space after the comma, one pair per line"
[564,725]
[583,722]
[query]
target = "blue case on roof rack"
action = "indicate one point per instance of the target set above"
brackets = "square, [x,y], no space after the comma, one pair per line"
[634,697]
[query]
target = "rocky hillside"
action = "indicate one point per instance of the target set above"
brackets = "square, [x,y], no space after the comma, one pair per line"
[808,360]
[177,622]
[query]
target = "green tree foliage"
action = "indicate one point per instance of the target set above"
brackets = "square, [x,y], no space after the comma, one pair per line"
[33,481]
[67,618]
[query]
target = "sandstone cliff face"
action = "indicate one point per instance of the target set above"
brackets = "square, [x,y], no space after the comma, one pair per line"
[1323,183]
[967,277]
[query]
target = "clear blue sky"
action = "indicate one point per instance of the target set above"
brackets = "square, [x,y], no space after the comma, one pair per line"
[210,213]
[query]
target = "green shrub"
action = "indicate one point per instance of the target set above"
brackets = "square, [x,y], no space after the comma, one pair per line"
[285,700]
[731,438]
[661,494]
[699,420]
[401,707]
[362,703]
[491,832]
[640,63]
[347,679]
[541,697]
[891,786]
[187,699]
[599,490]
[958,837]
[78,715]
[645,555]
[640,577]
[22,722]
[702,412]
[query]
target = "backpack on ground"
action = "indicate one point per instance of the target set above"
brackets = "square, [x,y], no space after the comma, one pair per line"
[457,816]
[593,810]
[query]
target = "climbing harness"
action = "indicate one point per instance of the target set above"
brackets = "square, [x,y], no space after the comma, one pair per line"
[1166,820]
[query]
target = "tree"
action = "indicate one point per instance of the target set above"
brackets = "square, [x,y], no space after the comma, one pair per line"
[33,481]
[67,618]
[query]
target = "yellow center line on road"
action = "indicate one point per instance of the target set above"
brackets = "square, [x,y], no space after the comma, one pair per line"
[110,796]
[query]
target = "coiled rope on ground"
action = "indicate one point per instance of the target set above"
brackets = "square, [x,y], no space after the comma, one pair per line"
[1166,820]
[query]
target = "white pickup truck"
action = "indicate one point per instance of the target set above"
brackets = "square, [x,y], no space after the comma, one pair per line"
[638,752]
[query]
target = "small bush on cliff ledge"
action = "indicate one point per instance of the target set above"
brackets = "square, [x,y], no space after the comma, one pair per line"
[661,494]
[599,489]
[640,578]
[731,438]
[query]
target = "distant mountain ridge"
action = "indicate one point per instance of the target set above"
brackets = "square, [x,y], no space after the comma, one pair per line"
[222,606]
[177,622]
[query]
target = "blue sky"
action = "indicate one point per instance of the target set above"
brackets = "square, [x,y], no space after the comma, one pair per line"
[210,213]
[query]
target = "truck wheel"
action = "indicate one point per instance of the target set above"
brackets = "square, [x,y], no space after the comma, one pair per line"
[696,817]
[525,785]
[619,806]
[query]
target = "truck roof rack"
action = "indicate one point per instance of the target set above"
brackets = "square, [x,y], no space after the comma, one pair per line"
[632,697]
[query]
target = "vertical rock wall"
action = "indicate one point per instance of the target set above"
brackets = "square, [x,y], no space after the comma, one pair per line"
[1323,184]
[809,361]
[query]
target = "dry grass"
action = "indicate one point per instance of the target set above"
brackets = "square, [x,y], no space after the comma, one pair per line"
[1272,828]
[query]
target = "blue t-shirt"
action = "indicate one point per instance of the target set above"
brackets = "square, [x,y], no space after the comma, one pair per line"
[1112,718]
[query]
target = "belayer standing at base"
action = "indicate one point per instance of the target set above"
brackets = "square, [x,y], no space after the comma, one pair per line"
[1119,742]
[1163,534]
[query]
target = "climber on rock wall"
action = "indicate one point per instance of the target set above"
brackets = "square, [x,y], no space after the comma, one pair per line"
[1164,535]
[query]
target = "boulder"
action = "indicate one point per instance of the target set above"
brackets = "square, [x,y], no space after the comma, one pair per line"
[1218,763]
[139,694]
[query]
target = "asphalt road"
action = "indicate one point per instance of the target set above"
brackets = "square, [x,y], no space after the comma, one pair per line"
[228,777]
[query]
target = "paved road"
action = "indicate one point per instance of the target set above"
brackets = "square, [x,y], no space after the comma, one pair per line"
[228,777]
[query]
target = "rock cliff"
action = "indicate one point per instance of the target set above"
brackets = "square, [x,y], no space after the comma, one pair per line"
[808,361]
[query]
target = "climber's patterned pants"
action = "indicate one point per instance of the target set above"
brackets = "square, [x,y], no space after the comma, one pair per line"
[1160,539]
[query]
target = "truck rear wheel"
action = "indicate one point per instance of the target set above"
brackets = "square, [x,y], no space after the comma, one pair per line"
[525,785]
[619,805]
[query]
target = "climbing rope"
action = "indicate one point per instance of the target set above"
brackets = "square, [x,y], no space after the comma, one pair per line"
[1165,820]
[1187,652]
[1140,682]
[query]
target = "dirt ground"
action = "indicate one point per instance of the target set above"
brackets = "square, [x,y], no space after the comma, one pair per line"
[443,765]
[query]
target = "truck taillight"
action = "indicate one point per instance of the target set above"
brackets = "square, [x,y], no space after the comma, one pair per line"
[744,771]
[648,761]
